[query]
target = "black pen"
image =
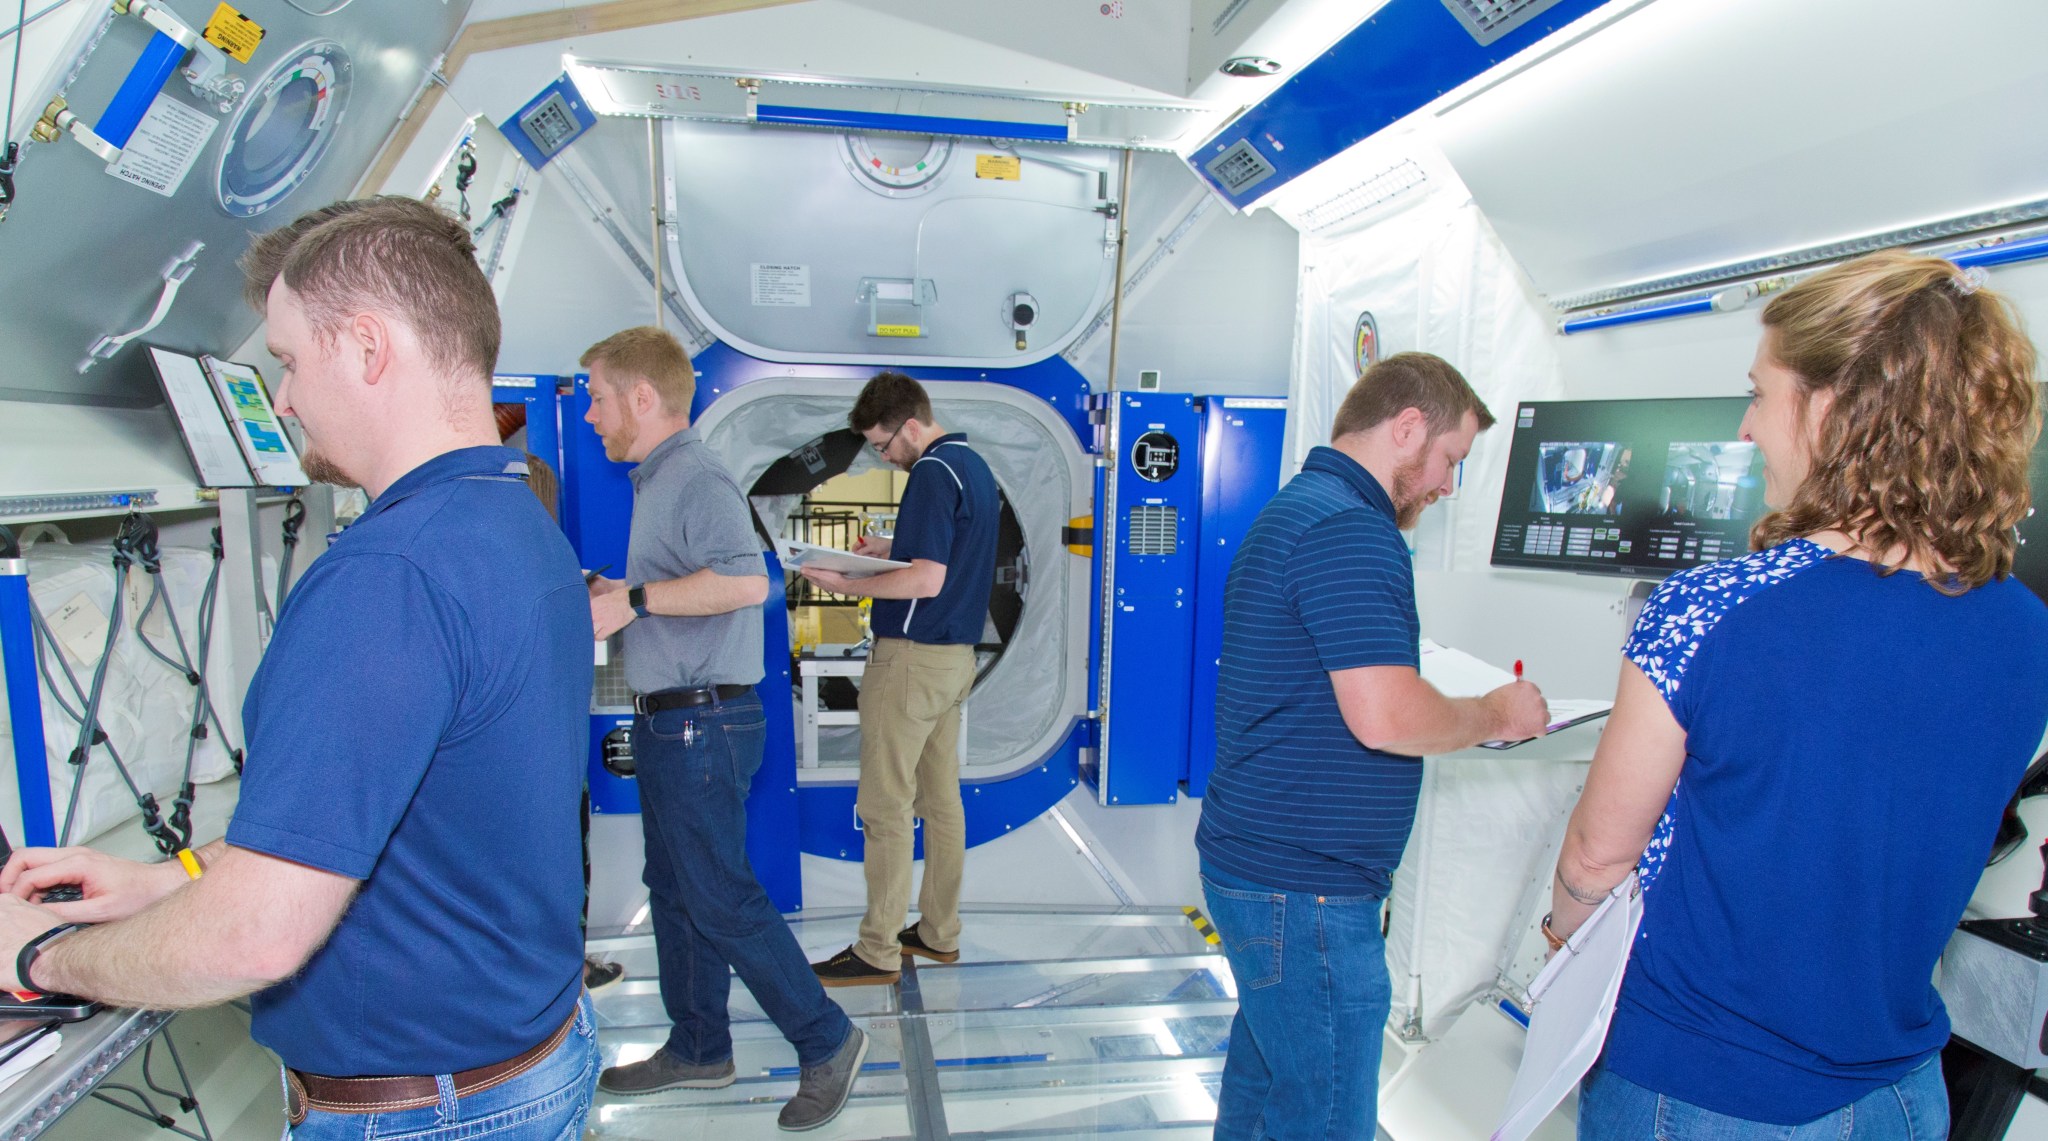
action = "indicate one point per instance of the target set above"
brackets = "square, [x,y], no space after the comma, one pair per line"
[592,576]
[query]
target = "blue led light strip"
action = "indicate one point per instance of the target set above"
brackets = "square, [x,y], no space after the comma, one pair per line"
[909,124]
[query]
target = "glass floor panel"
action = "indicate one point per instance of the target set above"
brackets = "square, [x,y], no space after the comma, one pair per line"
[1054,1023]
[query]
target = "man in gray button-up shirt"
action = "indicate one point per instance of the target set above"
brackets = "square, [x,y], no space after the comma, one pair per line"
[690,606]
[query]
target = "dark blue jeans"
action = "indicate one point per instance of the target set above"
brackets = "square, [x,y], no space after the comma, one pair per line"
[711,916]
[1312,1003]
[546,1103]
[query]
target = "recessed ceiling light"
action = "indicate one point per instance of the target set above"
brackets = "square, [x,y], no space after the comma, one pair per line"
[1249,66]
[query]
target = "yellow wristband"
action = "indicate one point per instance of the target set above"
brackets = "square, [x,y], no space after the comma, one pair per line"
[191,863]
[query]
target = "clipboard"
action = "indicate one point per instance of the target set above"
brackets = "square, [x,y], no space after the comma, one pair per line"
[1570,1005]
[1563,715]
[797,555]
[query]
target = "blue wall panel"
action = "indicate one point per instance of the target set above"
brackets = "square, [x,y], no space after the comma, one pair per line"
[1241,458]
[1143,756]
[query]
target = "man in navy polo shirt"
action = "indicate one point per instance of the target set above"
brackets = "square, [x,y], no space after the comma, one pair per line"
[1320,715]
[399,886]
[927,618]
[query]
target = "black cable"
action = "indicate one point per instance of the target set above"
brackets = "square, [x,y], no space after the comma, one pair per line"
[203,711]
[499,209]
[294,518]
[465,173]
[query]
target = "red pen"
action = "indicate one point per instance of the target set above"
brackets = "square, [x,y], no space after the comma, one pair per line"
[1518,669]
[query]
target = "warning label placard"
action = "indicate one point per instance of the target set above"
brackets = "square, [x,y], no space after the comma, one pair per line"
[1006,167]
[234,33]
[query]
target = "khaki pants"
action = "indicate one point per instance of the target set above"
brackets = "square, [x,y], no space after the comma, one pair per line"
[910,767]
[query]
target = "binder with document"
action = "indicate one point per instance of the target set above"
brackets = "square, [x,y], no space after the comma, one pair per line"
[1570,1005]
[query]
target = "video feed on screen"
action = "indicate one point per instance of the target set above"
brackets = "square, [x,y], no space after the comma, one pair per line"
[1579,478]
[1638,487]
[1713,481]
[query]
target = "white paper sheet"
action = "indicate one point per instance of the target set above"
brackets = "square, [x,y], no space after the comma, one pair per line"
[796,555]
[1456,673]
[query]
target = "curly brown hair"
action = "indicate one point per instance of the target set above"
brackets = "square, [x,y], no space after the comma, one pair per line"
[1925,447]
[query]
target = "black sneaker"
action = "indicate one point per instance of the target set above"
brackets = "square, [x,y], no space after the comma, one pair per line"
[914,944]
[599,974]
[849,969]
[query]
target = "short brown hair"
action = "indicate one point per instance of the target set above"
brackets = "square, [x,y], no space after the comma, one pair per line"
[399,257]
[889,399]
[1422,381]
[1926,444]
[264,259]
[650,354]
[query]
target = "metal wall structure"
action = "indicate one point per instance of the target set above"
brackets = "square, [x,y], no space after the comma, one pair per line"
[1020,787]
[779,235]
[1243,452]
[82,253]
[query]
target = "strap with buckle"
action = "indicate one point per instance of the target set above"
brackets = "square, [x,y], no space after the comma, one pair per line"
[389,1094]
[647,703]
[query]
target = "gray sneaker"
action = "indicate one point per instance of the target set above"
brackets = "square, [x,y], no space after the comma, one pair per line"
[823,1090]
[662,1070]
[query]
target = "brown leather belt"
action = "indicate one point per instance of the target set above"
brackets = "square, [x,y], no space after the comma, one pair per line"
[387,1095]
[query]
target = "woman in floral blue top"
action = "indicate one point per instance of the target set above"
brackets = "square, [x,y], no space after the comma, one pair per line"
[1811,745]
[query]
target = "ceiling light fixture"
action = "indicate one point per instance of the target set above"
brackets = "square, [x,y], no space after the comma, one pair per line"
[1249,66]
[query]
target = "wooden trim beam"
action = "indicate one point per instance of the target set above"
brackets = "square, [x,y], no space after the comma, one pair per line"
[540,28]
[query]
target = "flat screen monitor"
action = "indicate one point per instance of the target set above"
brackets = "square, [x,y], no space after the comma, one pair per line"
[1633,487]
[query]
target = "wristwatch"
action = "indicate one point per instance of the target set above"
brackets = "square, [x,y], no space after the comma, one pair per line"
[636,597]
[26,958]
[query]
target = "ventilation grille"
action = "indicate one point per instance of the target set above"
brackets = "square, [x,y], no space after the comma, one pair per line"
[1240,167]
[1489,20]
[1155,530]
[1385,186]
[609,693]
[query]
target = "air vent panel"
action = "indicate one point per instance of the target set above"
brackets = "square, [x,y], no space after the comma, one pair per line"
[1240,168]
[1489,20]
[1155,530]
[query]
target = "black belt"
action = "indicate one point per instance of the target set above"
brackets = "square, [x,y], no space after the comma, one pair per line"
[646,703]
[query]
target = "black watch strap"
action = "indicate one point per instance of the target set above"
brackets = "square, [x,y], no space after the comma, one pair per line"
[636,597]
[34,947]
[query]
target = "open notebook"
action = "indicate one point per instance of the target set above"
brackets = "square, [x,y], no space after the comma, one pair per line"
[1456,673]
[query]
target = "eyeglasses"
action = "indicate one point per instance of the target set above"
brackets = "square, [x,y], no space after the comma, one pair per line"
[882,449]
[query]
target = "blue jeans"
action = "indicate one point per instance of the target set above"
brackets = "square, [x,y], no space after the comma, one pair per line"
[1312,1003]
[1612,1108]
[546,1103]
[711,916]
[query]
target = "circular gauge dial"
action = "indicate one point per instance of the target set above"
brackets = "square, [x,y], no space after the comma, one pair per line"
[284,128]
[897,165]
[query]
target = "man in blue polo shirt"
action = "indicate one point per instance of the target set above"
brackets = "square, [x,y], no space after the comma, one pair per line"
[1320,715]
[399,886]
[927,618]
